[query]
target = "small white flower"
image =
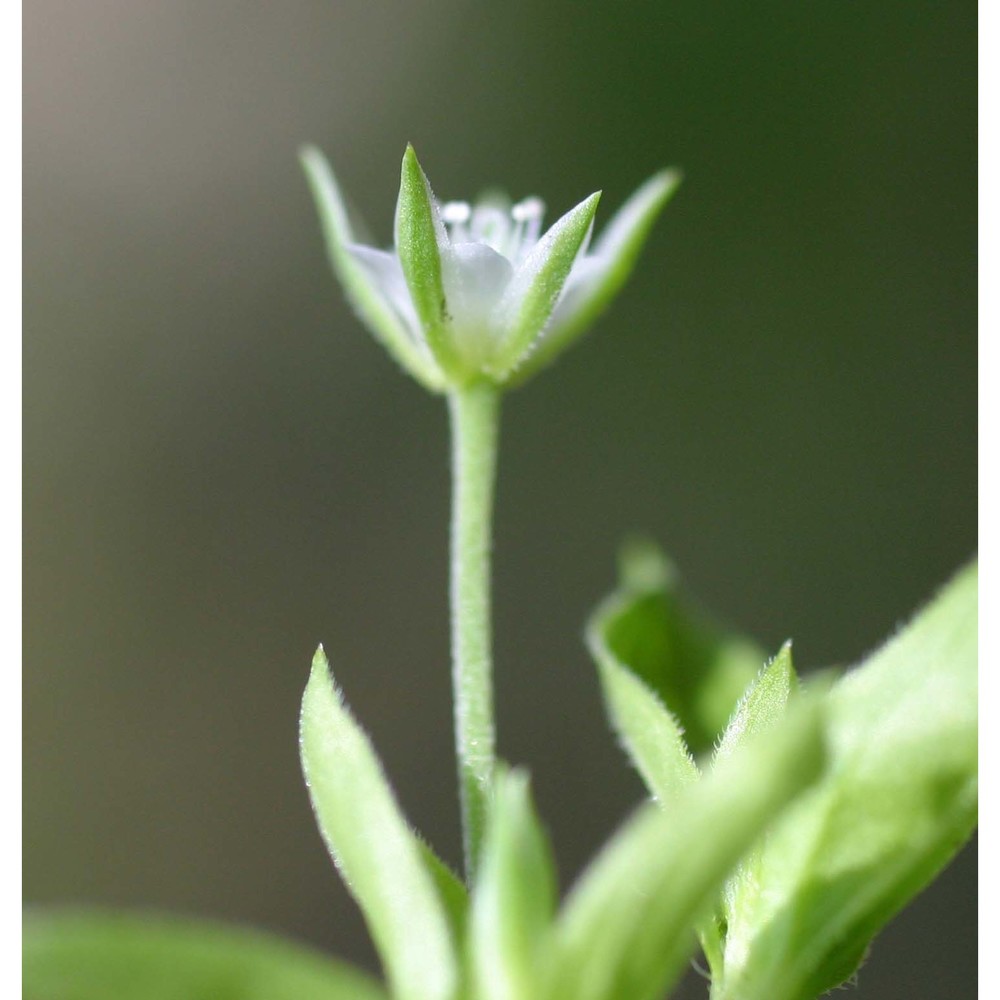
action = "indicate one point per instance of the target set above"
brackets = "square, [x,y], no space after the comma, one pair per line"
[473,291]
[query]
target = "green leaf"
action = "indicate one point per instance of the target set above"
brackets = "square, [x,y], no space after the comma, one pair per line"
[378,855]
[514,898]
[899,799]
[451,891]
[362,292]
[689,664]
[98,956]
[420,238]
[625,930]
[649,732]
[615,254]
[762,705]
[537,283]
[761,708]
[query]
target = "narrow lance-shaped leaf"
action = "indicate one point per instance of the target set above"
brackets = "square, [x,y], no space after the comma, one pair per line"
[625,930]
[899,799]
[762,705]
[363,292]
[761,708]
[535,286]
[420,238]
[514,898]
[614,256]
[377,853]
[79,955]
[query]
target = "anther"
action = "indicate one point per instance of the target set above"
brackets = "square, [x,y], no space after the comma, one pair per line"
[528,210]
[456,212]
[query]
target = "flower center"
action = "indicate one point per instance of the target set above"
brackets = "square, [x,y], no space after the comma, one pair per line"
[511,231]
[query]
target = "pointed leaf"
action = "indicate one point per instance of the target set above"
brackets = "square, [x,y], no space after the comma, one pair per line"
[514,899]
[367,298]
[697,670]
[614,257]
[378,855]
[761,708]
[762,705]
[899,799]
[537,283]
[77,955]
[625,930]
[451,891]
[420,239]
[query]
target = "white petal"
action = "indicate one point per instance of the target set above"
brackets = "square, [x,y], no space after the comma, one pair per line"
[630,222]
[587,275]
[474,277]
[386,273]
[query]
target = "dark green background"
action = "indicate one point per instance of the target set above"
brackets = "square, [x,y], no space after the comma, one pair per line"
[223,469]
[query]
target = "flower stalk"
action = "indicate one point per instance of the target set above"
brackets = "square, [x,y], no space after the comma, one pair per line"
[475,412]
[472,299]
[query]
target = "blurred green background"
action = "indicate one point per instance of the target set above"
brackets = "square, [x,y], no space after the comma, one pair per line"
[222,469]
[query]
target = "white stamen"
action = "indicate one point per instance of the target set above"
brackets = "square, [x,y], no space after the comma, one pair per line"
[455,212]
[490,225]
[455,215]
[528,216]
[529,208]
[511,232]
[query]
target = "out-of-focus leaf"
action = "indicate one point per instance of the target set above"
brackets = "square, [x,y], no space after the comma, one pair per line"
[626,928]
[451,890]
[100,956]
[697,670]
[377,853]
[514,898]
[898,800]
[649,732]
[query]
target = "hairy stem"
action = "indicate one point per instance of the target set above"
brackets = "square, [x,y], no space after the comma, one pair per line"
[475,411]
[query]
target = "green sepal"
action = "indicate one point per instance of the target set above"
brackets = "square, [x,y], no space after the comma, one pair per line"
[514,898]
[94,955]
[693,667]
[376,852]
[615,252]
[362,292]
[626,928]
[535,287]
[420,239]
[899,799]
